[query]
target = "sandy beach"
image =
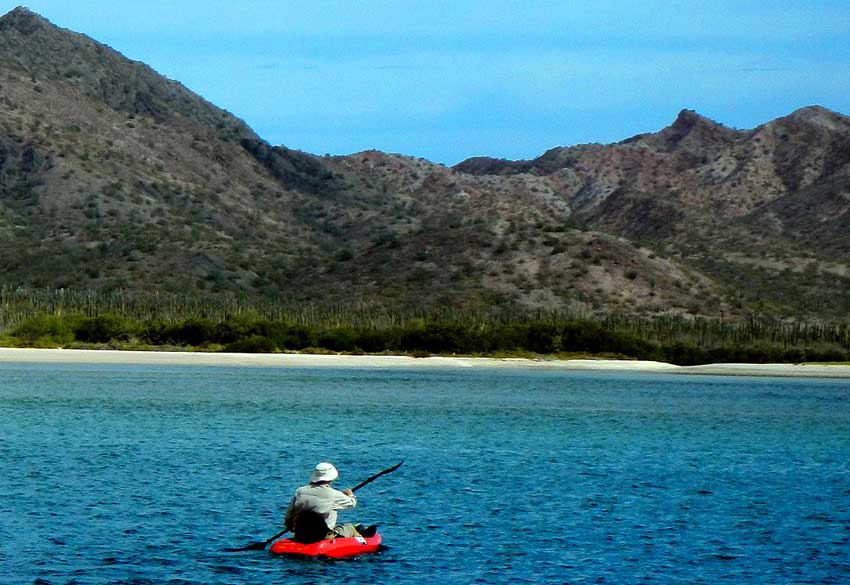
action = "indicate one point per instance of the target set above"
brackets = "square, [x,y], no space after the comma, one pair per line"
[288,360]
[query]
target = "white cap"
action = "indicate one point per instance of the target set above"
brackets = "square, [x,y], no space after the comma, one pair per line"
[324,472]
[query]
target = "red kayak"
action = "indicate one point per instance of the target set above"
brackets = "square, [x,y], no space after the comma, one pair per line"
[338,548]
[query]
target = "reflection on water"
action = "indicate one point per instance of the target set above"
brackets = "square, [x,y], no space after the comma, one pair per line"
[120,474]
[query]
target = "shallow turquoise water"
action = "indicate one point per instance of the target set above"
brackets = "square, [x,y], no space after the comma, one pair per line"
[141,474]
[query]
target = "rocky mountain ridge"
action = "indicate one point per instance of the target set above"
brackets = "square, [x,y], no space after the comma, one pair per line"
[737,204]
[112,176]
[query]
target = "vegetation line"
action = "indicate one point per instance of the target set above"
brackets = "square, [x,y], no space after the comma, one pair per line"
[76,319]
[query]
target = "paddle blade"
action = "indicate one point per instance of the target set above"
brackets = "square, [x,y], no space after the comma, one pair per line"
[258,545]
[252,546]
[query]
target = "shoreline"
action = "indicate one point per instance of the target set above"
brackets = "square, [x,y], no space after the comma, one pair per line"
[293,360]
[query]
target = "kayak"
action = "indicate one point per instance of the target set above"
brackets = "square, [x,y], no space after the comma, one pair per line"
[338,548]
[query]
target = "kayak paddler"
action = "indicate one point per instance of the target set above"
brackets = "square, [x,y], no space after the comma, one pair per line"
[312,513]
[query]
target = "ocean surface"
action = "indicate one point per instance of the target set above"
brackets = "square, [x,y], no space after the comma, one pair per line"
[144,474]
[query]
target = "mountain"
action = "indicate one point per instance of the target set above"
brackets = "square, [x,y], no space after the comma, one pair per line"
[112,176]
[762,212]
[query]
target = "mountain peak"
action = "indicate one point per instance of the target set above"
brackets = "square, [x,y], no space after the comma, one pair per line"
[689,123]
[819,116]
[23,20]
[813,110]
[18,11]
[687,119]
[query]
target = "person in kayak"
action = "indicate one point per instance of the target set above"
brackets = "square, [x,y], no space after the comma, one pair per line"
[312,513]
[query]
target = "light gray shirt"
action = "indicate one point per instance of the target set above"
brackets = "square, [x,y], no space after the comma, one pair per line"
[322,499]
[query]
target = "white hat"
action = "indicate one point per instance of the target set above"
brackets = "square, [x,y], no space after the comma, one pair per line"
[324,472]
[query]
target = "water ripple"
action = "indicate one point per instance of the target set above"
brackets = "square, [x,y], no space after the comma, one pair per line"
[137,474]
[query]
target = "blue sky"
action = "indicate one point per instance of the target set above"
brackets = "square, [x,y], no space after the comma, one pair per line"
[449,80]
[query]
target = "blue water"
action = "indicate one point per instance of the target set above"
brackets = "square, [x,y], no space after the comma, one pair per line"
[141,474]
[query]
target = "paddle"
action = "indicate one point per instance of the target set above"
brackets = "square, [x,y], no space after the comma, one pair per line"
[376,476]
[265,543]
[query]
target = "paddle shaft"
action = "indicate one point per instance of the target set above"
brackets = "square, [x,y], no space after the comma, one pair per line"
[281,533]
[376,476]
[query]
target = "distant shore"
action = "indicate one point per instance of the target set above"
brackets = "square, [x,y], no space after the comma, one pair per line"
[293,360]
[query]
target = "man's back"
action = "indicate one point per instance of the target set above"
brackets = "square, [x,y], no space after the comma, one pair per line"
[313,511]
[309,527]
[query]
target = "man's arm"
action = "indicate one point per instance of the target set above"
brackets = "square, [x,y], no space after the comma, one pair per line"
[344,500]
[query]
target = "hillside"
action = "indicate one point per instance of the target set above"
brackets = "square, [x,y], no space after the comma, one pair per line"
[762,212]
[113,177]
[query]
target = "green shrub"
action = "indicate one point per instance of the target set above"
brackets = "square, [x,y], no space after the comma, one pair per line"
[155,332]
[376,341]
[508,337]
[295,337]
[193,332]
[543,338]
[253,344]
[284,335]
[338,339]
[439,338]
[233,329]
[104,328]
[50,328]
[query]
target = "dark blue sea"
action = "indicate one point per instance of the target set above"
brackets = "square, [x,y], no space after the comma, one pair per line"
[143,475]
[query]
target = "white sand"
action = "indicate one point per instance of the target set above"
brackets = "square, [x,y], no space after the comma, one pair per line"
[782,370]
[79,356]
